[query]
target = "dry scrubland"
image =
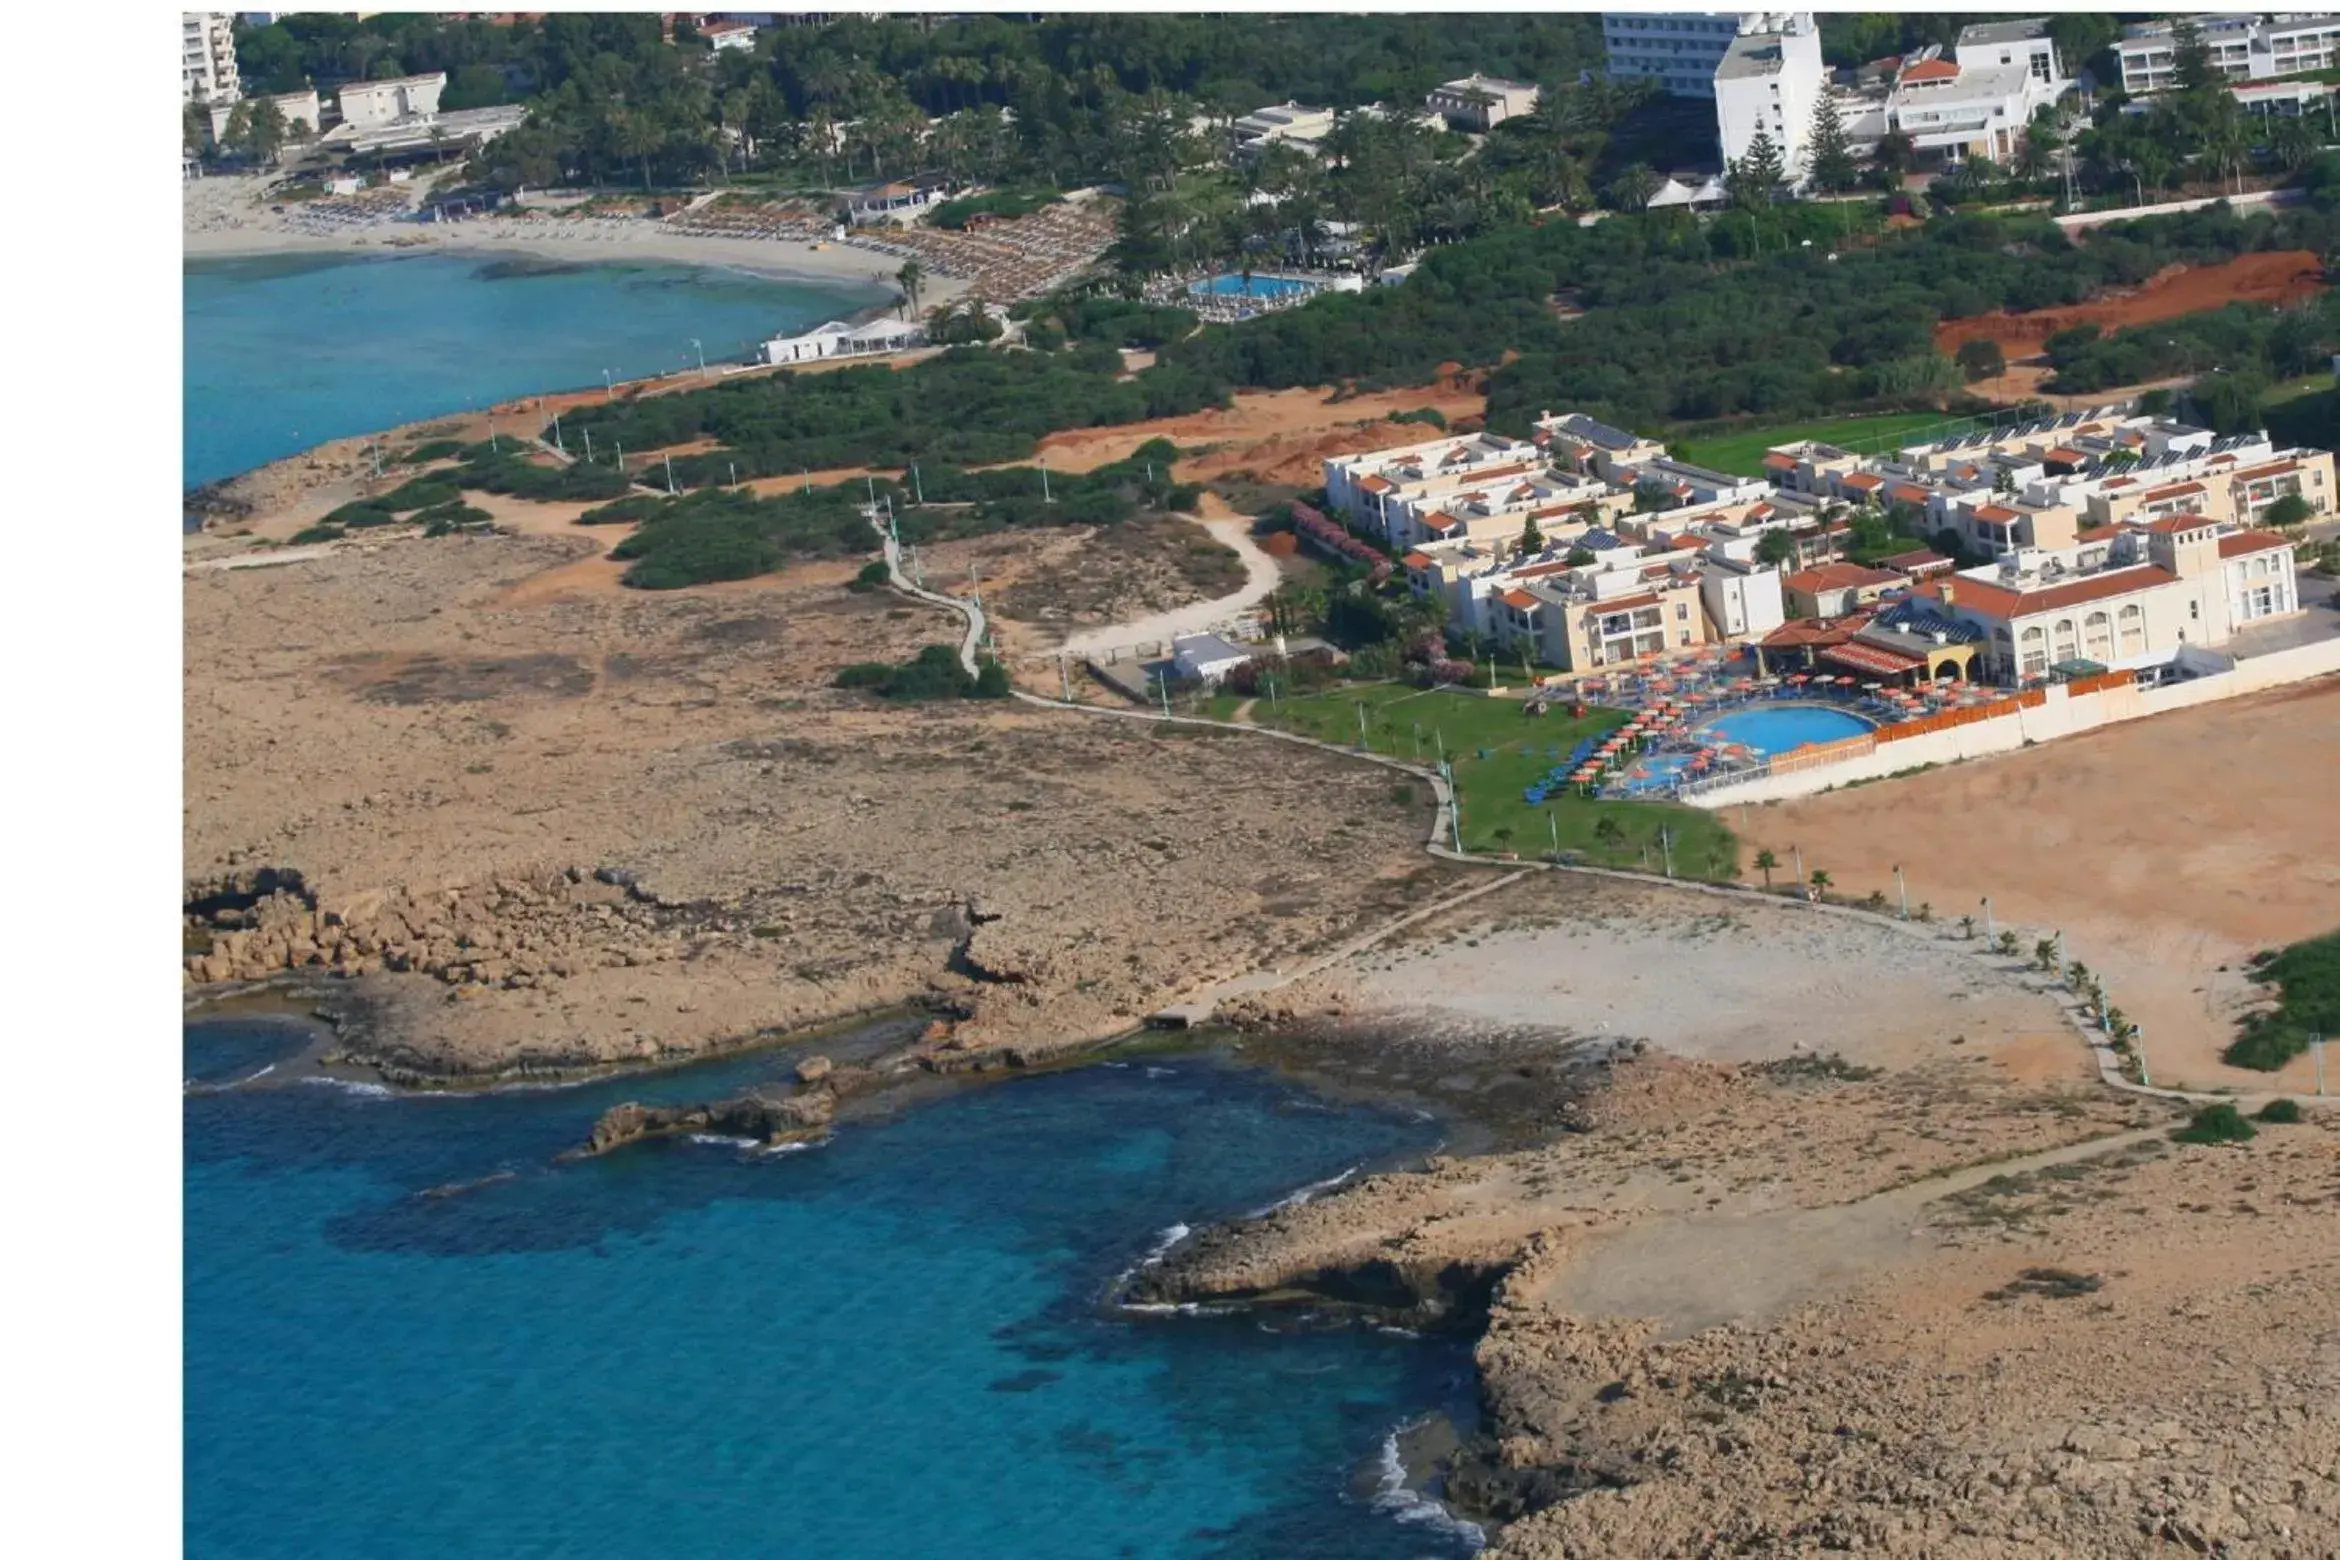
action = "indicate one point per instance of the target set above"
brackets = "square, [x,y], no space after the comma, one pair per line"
[2167,850]
[448,757]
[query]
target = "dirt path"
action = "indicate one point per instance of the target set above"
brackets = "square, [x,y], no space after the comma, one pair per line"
[1260,578]
[1704,1270]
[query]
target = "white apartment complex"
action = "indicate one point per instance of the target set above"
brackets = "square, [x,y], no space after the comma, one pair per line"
[1974,101]
[207,57]
[2251,46]
[1768,83]
[1679,50]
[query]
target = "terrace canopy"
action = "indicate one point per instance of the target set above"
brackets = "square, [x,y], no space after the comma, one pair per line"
[1876,660]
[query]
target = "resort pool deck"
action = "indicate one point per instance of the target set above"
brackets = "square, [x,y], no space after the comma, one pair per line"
[1233,285]
[1751,734]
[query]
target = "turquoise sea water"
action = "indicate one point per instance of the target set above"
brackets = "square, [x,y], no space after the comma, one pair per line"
[890,1345]
[287,351]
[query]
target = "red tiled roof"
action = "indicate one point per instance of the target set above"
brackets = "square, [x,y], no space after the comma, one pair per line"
[1815,631]
[2244,543]
[1997,514]
[2171,525]
[1420,560]
[2065,455]
[1623,603]
[1904,493]
[2000,602]
[1871,658]
[1838,576]
[1931,70]
[1779,461]
[2101,533]
[1376,484]
[2179,490]
[1864,480]
[1521,600]
[1919,560]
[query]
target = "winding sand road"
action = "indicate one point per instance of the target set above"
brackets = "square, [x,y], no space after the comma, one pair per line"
[1260,578]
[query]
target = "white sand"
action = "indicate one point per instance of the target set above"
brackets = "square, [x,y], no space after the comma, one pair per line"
[223,217]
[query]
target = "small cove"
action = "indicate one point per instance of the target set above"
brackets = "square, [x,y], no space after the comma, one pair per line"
[410,1331]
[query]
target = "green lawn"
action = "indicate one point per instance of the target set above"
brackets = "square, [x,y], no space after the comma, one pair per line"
[1496,751]
[1742,451]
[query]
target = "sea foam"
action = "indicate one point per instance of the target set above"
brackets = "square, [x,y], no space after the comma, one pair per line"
[1392,1498]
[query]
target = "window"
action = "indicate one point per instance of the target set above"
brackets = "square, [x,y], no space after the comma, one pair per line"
[2195,610]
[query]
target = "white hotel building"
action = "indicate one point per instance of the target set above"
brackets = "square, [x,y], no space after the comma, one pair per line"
[2244,47]
[207,58]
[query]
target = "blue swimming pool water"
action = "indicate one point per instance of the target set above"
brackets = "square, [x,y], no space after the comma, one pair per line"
[1782,728]
[1234,286]
[891,1345]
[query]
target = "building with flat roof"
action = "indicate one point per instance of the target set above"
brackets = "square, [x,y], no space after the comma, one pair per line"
[1294,122]
[1679,50]
[2249,46]
[1480,103]
[1768,83]
[369,104]
[1205,658]
[301,110]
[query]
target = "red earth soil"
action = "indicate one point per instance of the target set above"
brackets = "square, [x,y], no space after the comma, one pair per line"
[2281,276]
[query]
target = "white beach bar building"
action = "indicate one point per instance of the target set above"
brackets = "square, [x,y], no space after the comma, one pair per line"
[872,338]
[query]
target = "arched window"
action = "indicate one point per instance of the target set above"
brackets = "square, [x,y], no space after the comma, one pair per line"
[2096,636]
[2132,630]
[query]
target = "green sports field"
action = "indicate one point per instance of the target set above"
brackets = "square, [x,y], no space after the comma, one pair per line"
[1742,452]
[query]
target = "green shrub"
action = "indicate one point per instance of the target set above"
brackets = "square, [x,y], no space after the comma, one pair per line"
[437,449]
[2307,976]
[955,214]
[364,512]
[324,531]
[934,673]
[421,493]
[2281,1113]
[1429,415]
[2219,1123]
[873,576]
[639,506]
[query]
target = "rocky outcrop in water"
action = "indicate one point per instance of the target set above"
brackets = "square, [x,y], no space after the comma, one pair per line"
[772,1121]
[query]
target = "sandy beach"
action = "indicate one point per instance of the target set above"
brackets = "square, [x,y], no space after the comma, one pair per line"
[223,217]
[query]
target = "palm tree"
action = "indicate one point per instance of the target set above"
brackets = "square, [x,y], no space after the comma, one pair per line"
[1765,861]
[1966,927]
[634,135]
[910,276]
[1821,882]
[1631,189]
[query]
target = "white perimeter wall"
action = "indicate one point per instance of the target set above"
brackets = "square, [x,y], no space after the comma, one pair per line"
[2062,715]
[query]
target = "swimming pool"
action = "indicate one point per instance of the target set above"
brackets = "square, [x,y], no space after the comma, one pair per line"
[1234,285]
[1765,730]
[1773,729]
